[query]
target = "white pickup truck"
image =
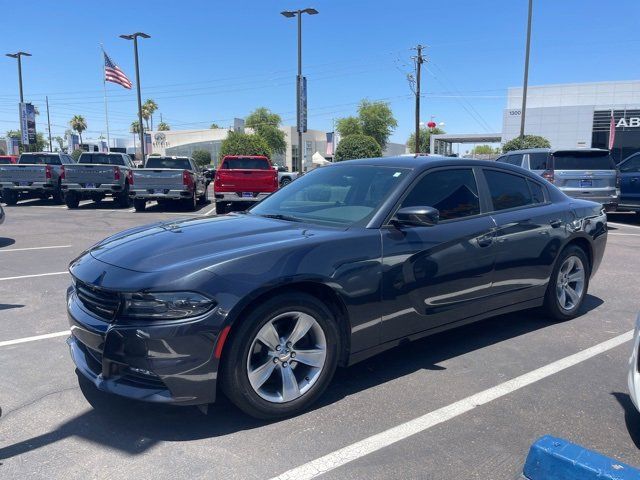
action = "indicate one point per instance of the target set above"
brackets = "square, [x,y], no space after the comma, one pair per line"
[169,179]
[35,175]
[97,175]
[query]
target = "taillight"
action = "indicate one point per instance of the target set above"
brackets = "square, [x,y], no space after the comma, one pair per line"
[130,177]
[186,179]
[116,173]
[216,181]
[62,173]
[548,175]
[275,180]
[47,172]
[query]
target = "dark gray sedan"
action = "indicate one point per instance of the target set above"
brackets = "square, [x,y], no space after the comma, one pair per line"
[347,261]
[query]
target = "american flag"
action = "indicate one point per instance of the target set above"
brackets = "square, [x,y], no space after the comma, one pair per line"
[612,132]
[112,73]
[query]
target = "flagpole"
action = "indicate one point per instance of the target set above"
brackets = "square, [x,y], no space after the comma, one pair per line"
[106,110]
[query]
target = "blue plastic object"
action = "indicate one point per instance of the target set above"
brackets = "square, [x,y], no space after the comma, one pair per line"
[552,458]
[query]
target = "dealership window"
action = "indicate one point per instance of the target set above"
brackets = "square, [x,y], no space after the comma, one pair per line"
[453,192]
[507,191]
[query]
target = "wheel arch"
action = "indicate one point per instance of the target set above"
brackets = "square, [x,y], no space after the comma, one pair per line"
[585,245]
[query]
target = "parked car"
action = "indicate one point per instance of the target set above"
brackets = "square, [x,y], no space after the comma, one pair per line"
[35,175]
[209,172]
[8,159]
[168,179]
[285,177]
[588,173]
[633,375]
[96,176]
[630,184]
[347,261]
[242,181]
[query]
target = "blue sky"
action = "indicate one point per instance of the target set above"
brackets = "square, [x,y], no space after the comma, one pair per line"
[212,60]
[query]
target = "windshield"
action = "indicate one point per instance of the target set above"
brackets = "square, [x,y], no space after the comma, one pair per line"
[246,163]
[337,195]
[36,159]
[583,161]
[101,158]
[168,162]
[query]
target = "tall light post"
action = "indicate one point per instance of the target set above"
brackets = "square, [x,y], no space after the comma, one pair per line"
[18,56]
[526,71]
[299,80]
[134,37]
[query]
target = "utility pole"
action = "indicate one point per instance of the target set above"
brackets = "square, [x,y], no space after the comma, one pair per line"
[49,124]
[419,59]
[526,71]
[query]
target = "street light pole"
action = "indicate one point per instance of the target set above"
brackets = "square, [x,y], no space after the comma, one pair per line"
[299,81]
[526,72]
[134,37]
[18,56]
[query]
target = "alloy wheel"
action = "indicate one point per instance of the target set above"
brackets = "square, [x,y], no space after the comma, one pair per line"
[570,283]
[286,357]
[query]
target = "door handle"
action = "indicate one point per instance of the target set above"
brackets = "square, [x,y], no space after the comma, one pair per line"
[555,223]
[484,240]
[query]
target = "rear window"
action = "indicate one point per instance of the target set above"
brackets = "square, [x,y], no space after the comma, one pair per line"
[101,158]
[508,191]
[36,159]
[583,161]
[538,161]
[246,164]
[168,162]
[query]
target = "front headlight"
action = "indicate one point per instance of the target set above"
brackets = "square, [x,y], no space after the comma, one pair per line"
[166,306]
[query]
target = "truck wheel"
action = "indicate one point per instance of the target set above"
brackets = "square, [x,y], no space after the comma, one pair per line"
[190,204]
[139,204]
[221,208]
[10,197]
[122,199]
[58,196]
[285,181]
[204,198]
[72,199]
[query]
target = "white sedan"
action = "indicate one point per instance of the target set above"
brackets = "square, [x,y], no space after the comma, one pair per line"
[633,378]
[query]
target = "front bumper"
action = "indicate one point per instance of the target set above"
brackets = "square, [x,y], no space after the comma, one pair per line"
[633,378]
[163,362]
[156,194]
[235,197]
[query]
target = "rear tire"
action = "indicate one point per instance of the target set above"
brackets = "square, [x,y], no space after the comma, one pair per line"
[140,204]
[190,204]
[72,200]
[122,198]
[568,284]
[204,198]
[10,197]
[289,385]
[58,196]
[221,208]
[285,181]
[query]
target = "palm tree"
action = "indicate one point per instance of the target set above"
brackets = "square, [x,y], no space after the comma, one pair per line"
[79,124]
[163,127]
[135,127]
[148,109]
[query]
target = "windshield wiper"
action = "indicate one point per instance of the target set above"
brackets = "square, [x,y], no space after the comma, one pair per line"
[279,216]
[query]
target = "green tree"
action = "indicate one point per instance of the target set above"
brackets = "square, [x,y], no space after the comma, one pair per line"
[76,154]
[214,126]
[238,143]
[357,146]
[79,124]
[425,140]
[484,150]
[201,157]
[135,127]
[374,119]
[265,123]
[149,107]
[14,134]
[60,141]
[163,127]
[529,141]
[41,142]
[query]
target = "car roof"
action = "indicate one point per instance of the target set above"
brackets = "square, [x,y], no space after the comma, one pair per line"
[55,154]
[555,150]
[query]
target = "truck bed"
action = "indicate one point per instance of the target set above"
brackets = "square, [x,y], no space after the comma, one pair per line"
[158,178]
[95,174]
[22,173]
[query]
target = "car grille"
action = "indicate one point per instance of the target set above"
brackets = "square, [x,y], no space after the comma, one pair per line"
[103,303]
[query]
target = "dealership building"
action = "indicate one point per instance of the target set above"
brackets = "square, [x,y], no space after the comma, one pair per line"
[574,115]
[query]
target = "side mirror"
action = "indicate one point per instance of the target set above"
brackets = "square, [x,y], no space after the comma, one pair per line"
[418,216]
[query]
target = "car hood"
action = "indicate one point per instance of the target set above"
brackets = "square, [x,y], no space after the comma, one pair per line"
[200,243]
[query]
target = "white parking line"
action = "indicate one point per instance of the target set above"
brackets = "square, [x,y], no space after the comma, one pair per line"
[33,276]
[623,225]
[388,437]
[210,211]
[6,343]
[624,234]
[3,250]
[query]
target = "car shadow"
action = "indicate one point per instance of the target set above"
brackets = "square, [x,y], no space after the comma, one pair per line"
[134,427]
[9,306]
[33,202]
[631,416]
[6,242]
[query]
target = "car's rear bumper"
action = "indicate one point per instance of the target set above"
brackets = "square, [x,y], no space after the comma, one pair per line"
[30,186]
[157,195]
[607,199]
[162,362]
[629,206]
[233,197]
[101,188]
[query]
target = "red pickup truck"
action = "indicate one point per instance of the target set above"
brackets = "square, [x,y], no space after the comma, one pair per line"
[242,181]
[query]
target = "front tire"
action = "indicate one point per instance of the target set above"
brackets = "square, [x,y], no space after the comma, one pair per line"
[568,284]
[282,356]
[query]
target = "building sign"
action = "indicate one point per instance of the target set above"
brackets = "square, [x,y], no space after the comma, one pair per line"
[632,122]
[28,123]
[302,104]
[160,140]
[626,140]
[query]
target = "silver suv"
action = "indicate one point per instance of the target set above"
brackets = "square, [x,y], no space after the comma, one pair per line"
[588,173]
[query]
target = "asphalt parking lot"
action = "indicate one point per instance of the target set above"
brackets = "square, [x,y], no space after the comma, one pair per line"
[425,410]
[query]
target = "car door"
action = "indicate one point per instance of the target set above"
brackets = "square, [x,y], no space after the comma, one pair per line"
[442,273]
[630,181]
[528,234]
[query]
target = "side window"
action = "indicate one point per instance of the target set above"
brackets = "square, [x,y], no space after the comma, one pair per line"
[453,192]
[515,159]
[538,161]
[507,190]
[537,192]
[502,159]
[631,165]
